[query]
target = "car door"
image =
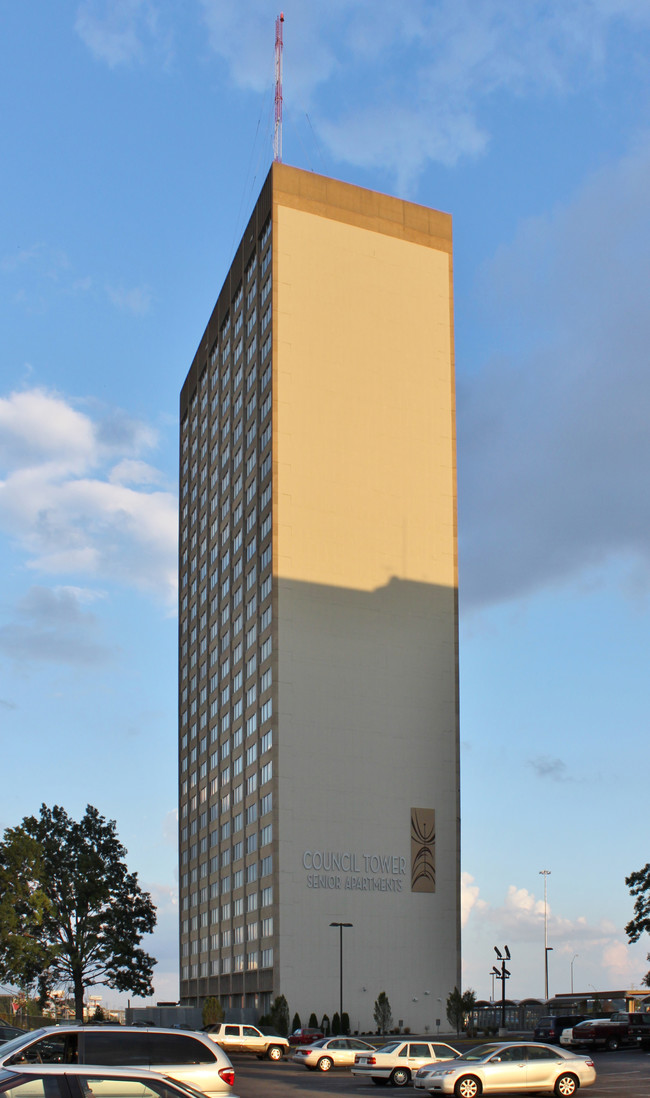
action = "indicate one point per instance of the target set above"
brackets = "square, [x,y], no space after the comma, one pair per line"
[419,1053]
[543,1064]
[188,1060]
[506,1069]
[253,1040]
[230,1038]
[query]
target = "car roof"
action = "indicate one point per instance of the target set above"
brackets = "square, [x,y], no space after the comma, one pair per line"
[78,1027]
[87,1069]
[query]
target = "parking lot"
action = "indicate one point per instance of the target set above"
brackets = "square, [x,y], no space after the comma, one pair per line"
[625,1073]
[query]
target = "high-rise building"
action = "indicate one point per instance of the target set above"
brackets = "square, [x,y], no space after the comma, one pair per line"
[318,707]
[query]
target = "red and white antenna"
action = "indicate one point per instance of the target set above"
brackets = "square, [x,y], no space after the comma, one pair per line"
[277,134]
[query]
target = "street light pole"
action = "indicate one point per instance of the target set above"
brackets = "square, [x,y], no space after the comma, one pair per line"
[572,960]
[545,873]
[340,926]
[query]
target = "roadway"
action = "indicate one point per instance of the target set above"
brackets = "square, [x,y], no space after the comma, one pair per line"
[622,1074]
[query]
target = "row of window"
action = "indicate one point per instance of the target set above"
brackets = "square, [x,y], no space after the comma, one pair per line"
[226,965]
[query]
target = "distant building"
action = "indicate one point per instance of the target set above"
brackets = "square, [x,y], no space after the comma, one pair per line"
[318,635]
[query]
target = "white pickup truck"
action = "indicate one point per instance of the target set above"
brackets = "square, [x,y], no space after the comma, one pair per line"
[233,1037]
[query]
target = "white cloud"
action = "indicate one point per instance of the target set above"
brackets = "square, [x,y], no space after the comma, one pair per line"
[606,959]
[403,86]
[136,300]
[469,898]
[553,438]
[117,31]
[77,498]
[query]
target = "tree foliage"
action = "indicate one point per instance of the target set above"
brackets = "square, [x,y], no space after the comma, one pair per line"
[325,1025]
[212,1011]
[313,1021]
[296,1023]
[639,886]
[70,912]
[382,1013]
[345,1022]
[336,1024]
[280,1015]
[458,1006]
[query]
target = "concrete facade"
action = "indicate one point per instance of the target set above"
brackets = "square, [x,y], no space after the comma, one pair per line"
[332,536]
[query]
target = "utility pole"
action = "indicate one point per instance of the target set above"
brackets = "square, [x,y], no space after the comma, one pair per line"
[545,873]
[277,133]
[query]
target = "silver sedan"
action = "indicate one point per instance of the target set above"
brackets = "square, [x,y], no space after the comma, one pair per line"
[331,1052]
[503,1067]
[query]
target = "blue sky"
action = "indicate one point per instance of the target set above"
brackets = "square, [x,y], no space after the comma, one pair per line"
[135,137]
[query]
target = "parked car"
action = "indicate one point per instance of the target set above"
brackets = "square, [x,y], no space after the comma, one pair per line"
[503,1067]
[84,1081]
[305,1036]
[620,1029]
[397,1061]
[550,1027]
[330,1052]
[241,1038]
[189,1058]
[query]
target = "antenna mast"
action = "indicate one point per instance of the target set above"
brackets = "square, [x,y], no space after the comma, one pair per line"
[277,134]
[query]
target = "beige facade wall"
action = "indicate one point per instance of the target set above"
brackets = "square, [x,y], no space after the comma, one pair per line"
[366,568]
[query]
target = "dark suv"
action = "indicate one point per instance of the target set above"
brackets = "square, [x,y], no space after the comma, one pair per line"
[550,1026]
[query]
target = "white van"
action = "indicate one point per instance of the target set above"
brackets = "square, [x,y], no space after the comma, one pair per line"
[191,1058]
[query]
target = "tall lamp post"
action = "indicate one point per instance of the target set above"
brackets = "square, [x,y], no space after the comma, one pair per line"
[340,926]
[572,960]
[545,873]
[503,975]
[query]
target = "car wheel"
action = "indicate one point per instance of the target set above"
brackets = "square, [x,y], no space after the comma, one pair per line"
[325,1063]
[400,1077]
[274,1052]
[566,1085]
[378,1081]
[612,1043]
[468,1086]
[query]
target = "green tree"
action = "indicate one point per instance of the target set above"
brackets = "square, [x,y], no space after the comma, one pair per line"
[345,1022]
[639,886]
[313,1021]
[280,1015]
[382,1013]
[336,1024]
[325,1025]
[212,1011]
[70,912]
[458,1006]
[296,1024]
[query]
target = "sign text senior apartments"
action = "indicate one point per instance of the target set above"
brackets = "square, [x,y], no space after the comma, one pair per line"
[351,870]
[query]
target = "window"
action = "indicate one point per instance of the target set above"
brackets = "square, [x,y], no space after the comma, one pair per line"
[266,866]
[266,835]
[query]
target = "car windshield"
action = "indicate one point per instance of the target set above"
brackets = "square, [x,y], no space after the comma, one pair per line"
[390,1047]
[17,1042]
[481,1052]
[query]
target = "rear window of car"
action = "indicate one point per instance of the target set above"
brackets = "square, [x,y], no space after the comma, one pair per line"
[390,1047]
